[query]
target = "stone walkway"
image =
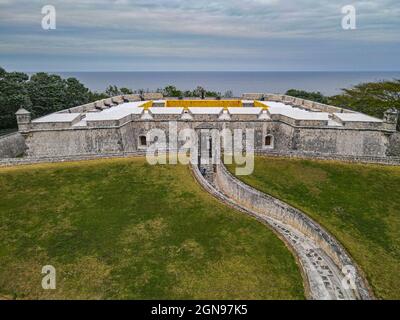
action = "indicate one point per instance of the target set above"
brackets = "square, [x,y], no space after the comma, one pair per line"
[322,276]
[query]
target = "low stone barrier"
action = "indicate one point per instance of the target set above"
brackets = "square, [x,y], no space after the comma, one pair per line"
[12,145]
[269,206]
[32,160]
[390,161]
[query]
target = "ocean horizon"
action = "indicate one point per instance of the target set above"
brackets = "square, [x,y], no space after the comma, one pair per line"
[239,82]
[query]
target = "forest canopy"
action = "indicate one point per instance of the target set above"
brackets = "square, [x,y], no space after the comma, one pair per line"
[43,93]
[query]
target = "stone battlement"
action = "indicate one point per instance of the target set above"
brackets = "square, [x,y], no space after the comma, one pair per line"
[281,123]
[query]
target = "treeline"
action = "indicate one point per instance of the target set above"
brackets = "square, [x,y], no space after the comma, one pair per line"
[172,91]
[372,98]
[44,93]
[41,94]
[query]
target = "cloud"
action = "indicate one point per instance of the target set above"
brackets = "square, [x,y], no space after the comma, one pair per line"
[200,29]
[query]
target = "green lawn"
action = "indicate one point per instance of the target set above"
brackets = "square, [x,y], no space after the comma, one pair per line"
[122,229]
[358,203]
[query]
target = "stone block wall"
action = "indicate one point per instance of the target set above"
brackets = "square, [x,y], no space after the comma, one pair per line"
[12,145]
[100,137]
[341,142]
[394,145]
[73,142]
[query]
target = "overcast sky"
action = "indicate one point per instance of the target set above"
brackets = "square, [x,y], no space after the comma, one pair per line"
[130,35]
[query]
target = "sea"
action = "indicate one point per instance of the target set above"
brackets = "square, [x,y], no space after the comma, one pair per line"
[328,83]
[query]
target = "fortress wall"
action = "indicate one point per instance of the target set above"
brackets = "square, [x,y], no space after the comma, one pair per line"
[244,117]
[73,142]
[12,145]
[165,117]
[286,138]
[281,132]
[205,117]
[80,109]
[394,145]
[326,108]
[311,123]
[51,125]
[103,123]
[341,142]
[305,104]
[362,125]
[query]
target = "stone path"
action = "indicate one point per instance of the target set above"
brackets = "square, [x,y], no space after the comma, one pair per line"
[322,276]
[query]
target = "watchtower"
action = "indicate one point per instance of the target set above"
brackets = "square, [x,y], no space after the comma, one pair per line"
[23,120]
[390,119]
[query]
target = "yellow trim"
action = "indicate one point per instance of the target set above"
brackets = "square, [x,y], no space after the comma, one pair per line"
[258,104]
[204,104]
[147,105]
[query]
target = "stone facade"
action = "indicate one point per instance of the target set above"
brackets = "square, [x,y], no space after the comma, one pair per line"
[349,138]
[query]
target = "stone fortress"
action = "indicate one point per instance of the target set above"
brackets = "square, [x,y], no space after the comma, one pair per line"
[282,124]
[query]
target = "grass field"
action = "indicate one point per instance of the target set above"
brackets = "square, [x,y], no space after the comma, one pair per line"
[121,229]
[359,204]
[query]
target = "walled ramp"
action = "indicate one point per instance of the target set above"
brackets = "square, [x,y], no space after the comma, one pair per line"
[324,262]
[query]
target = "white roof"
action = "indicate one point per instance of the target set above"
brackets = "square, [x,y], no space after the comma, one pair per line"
[123,110]
[255,110]
[162,110]
[295,113]
[58,117]
[206,110]
[117,112]
[356,117]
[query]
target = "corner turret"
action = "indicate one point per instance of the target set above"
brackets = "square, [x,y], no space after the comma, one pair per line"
[23,120]
[390,119]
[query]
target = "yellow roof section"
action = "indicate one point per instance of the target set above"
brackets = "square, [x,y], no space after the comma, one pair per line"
[259,104]
[147,105]
[186,104]
[204,104]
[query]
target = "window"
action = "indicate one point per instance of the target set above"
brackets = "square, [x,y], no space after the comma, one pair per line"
[143,141]
[269,142]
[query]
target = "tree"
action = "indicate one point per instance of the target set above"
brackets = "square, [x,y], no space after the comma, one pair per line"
[172,91]
[76,93]
[41,94]
[13,95]
[112,91]
[95,96]
[313,96]
[2,72]
[228,94]
[47,93]
[372,98]
[199,92]
[125,91]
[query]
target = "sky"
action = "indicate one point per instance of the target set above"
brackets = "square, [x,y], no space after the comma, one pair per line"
[197,35]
